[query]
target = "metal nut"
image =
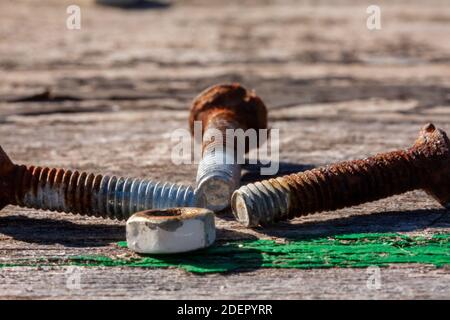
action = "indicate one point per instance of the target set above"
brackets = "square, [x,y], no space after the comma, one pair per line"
[170,231]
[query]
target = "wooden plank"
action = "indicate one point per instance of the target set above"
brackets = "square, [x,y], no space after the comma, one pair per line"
[107,97]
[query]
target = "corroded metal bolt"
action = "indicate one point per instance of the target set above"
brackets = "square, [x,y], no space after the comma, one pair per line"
[85,193]
[222,107]
[424,166]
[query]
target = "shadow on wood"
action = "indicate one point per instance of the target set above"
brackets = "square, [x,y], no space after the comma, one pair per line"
[66,233]
[252,172]
[379,222]
[135,5]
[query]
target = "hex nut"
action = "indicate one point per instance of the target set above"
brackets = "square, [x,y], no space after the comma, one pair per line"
[171,230]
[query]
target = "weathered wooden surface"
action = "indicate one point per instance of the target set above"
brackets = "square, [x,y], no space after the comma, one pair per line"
[123,83]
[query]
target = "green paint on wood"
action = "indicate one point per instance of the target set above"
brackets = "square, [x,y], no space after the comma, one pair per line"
[349,250]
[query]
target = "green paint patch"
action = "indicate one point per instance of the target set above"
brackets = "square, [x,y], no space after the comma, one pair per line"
[343,251]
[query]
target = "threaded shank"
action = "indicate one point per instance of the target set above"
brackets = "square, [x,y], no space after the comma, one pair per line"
[94,195]
[217,162]
[329,188]
[218,173]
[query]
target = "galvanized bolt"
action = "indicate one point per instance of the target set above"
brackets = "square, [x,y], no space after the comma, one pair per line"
[85,193]
[222,107]
[424,166]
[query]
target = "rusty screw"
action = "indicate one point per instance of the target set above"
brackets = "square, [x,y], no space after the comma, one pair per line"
[86,194]
[222,107]
[424,166]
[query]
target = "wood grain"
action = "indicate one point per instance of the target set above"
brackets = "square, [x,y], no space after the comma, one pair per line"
[107,97]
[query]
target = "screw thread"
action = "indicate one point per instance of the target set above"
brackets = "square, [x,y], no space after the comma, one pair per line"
[94,195]
[218,163]
[329,188]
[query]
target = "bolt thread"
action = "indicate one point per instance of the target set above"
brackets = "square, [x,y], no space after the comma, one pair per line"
[94,195]
[218,164]
[330,188]
[219,161]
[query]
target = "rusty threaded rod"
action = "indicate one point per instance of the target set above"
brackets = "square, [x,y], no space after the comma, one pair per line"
[223,107]
[86,193]
[424,166]
[218,172]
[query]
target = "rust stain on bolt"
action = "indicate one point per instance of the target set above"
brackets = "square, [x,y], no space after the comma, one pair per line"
[85,193]
[236,103]
[426,165]
[222,107]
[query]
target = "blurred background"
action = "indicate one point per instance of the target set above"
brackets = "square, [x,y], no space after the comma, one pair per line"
[125,79]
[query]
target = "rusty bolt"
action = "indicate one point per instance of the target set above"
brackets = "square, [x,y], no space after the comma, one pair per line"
[424,166]
[222,107]
[86,194]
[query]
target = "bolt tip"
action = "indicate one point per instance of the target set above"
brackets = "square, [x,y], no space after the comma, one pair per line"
[429,128]
[5,162]
[240,206]
[430,134]
[214,193]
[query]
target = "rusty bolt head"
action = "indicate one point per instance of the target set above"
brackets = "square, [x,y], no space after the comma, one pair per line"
[6,169]
[234,101]
[437,184]
[223,107]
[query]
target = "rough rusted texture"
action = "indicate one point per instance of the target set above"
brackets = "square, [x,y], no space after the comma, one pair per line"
[86,193]
[172,213]
[424,166]
[6,169]
[221,120]
[233,102]
[222,107]
[227,106]
[163,214]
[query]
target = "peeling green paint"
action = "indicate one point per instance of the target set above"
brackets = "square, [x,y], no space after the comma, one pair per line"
[343,251]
